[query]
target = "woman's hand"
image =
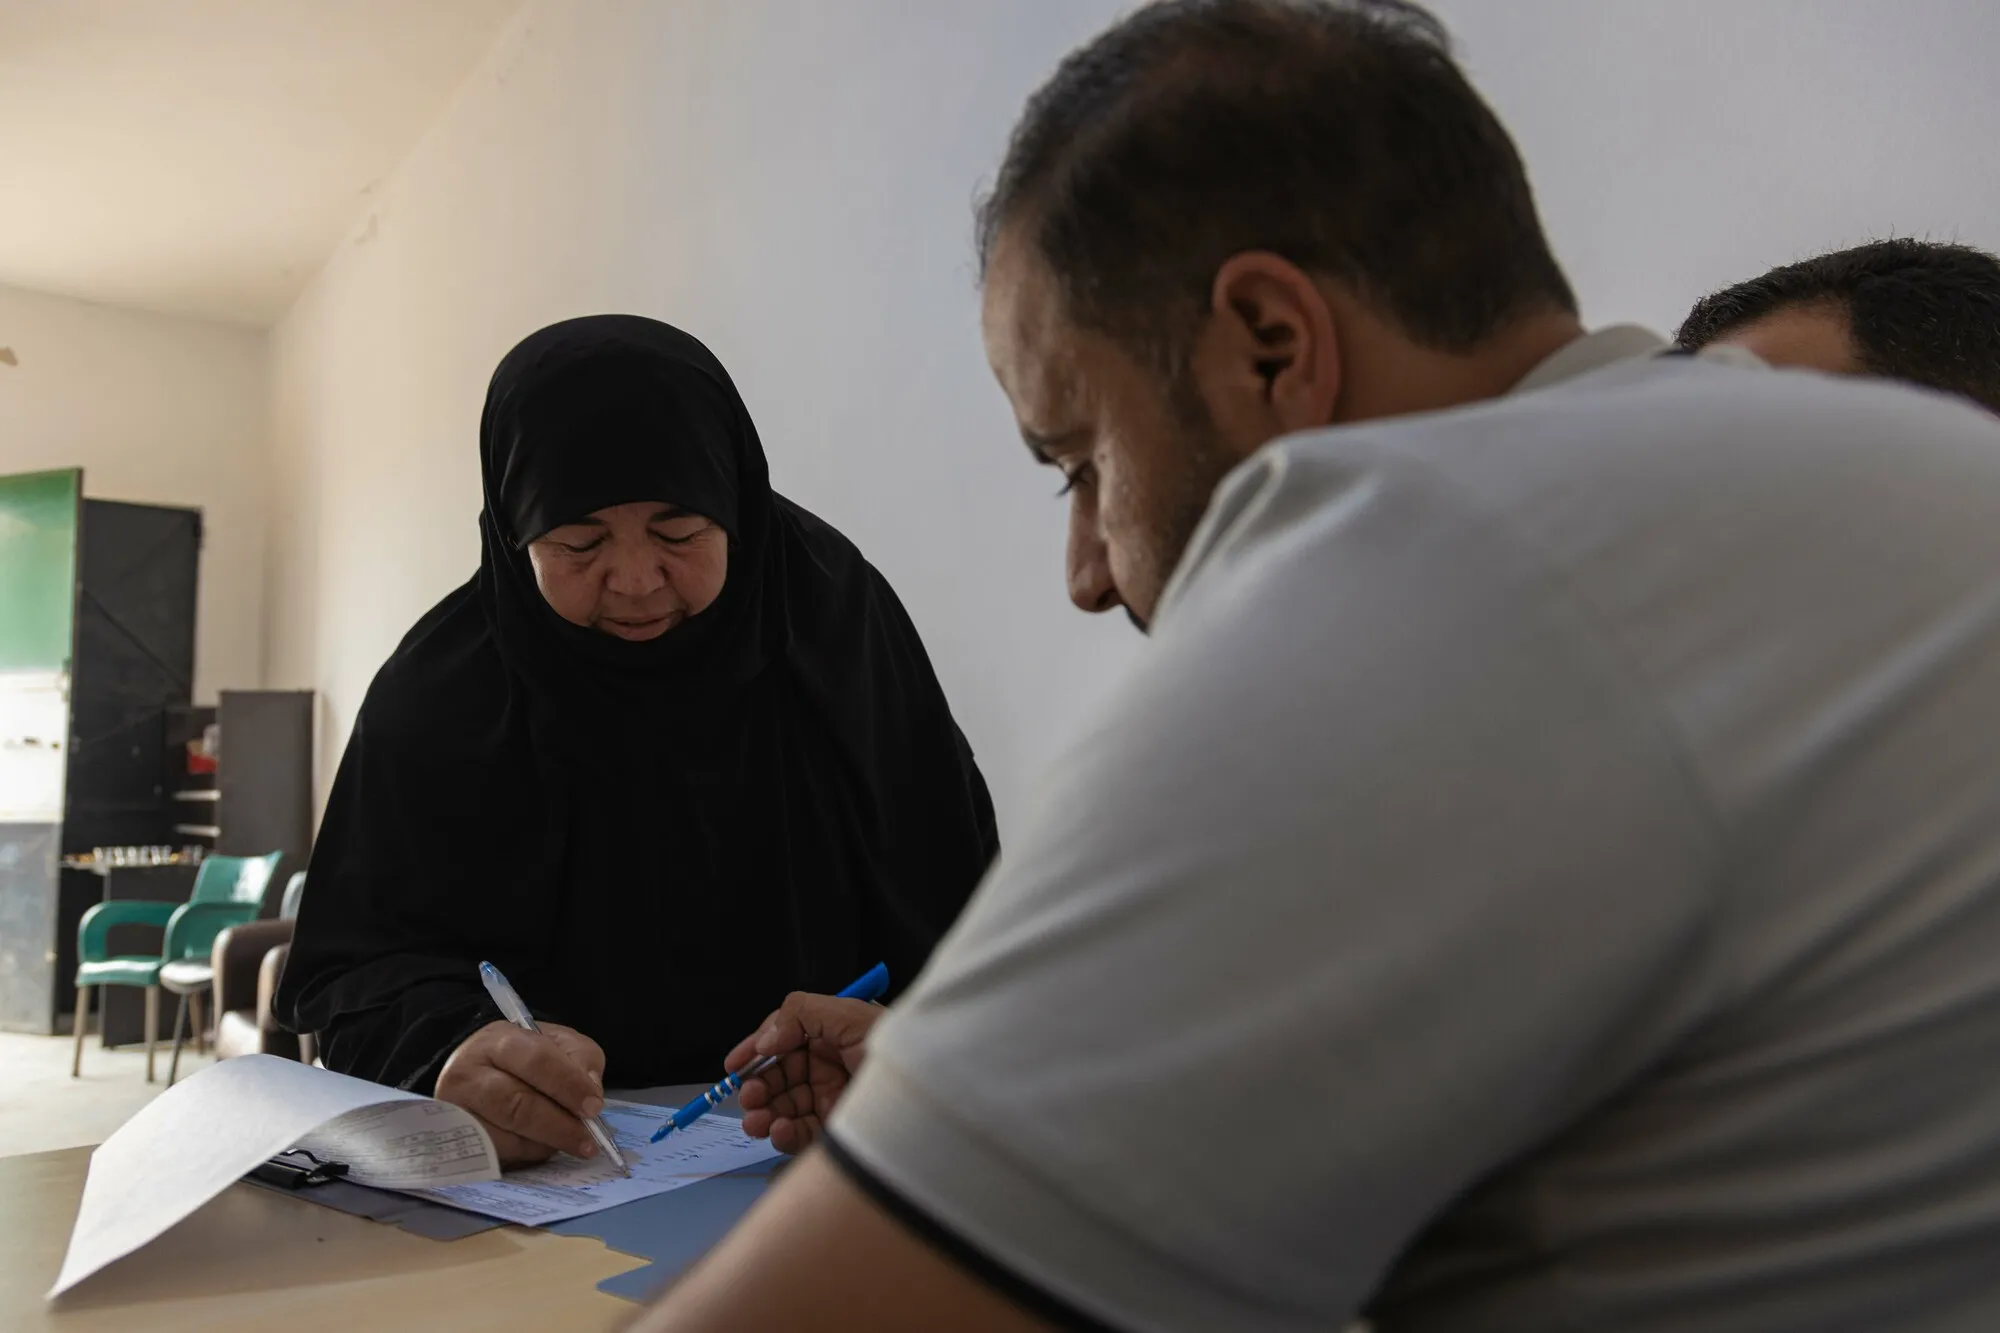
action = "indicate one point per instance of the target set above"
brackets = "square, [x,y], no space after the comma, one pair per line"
[532,1090]
[822,1039]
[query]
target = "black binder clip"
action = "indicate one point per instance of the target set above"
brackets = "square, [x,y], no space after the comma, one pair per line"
[297,1170]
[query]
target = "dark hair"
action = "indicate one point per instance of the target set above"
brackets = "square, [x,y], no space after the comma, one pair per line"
[1339,135]
[1916,311]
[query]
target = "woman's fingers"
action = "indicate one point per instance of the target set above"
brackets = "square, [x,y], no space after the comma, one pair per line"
[514,1150]
[586,1053]
[549,1062]
[527,1086]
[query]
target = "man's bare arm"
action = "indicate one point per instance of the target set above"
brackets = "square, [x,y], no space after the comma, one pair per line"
[816,1253]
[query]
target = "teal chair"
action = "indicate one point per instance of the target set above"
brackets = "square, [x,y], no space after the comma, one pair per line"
[227,891]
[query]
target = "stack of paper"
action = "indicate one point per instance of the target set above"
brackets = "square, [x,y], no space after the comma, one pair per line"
[197,1138]
[200,1136]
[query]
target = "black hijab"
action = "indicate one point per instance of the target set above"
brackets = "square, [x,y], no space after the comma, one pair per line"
[655,841]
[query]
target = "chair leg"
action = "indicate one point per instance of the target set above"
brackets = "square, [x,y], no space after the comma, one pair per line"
[180,1024]
[152,1027]
[82,1022]
[200,1025]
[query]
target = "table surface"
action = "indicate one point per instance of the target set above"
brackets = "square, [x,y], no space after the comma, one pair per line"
[257,1259]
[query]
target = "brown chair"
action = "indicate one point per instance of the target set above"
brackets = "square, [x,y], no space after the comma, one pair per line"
[248,961]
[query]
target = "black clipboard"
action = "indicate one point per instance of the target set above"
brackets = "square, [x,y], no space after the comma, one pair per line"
[297,1169]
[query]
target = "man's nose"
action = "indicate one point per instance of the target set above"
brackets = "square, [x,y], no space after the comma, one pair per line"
[1090,584]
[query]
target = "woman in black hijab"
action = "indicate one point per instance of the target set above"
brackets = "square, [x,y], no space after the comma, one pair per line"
[674,751]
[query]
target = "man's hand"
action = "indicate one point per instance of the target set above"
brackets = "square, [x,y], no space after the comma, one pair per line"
[822,1039]
[532,1090]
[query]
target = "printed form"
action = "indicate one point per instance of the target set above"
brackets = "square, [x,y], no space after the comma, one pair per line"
[564,1187]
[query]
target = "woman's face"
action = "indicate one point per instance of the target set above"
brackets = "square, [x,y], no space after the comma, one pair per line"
[633,570]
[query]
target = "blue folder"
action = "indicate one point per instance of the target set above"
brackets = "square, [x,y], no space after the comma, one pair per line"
[672,1229]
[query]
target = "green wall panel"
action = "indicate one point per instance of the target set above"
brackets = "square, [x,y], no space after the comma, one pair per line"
[38,517]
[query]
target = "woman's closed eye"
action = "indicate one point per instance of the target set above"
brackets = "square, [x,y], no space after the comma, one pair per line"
[681,532]
[575,538]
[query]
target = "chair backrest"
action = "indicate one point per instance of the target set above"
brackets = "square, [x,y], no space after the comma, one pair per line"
[295,889]
[234,879]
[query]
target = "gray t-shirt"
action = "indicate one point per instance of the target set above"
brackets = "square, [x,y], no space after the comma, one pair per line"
[1544,876]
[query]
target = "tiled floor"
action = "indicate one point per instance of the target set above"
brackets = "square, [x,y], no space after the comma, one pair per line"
[42,1107]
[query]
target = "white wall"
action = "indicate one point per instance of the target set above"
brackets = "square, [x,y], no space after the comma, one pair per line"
[791,182]
[1678,146]
[158,410]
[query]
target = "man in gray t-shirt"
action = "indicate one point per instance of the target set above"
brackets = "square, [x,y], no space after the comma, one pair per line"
[1545,878]
[1545,874]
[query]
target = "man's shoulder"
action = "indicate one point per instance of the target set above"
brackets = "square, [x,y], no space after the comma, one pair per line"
[1686,400]
[1655,439]
[1726,411]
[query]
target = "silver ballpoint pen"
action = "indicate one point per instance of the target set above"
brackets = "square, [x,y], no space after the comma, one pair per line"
[517,1014]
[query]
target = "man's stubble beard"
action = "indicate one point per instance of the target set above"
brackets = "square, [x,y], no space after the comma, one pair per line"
[1200,463]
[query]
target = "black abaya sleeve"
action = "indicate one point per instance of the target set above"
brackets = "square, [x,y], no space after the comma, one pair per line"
[423,865]
[383,1012]
[939,835]
[929,830]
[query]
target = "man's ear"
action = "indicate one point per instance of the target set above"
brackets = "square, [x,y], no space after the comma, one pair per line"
[1271,354]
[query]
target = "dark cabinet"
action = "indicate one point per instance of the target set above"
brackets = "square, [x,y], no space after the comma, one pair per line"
[264,779]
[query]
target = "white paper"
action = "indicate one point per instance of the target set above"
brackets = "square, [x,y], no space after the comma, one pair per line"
[198,1137]
[406,1144]
[564,1187]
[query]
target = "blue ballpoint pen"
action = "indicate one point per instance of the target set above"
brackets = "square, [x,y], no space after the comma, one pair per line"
[517,1013]
[868,986]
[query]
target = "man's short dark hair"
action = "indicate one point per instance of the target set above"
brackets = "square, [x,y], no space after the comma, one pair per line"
[1339,135]
[1916,310]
